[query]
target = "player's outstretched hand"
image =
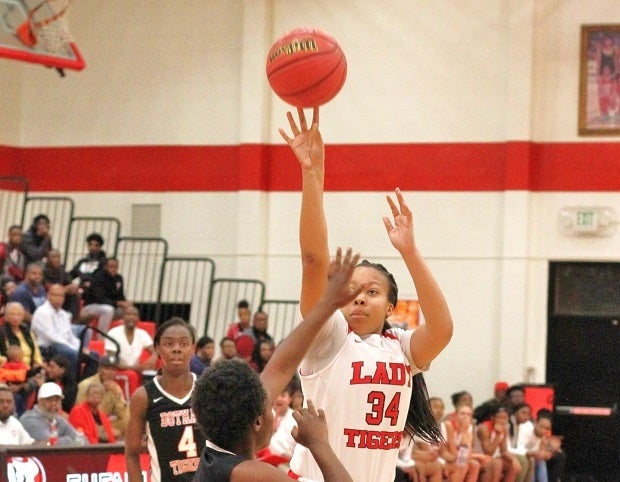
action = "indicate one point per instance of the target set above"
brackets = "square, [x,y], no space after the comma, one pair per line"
[339,290]
[400,231]
[306,143]
[311,426]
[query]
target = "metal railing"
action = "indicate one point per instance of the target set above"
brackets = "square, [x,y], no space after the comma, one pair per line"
[224,295]
[13,194]
[161,286]
[283,316]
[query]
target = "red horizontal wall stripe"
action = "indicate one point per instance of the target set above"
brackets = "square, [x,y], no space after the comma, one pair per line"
[357,167]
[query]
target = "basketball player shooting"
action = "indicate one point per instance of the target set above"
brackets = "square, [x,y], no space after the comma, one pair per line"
[357,357]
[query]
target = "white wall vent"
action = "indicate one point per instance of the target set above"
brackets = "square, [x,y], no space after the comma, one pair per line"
[146,220]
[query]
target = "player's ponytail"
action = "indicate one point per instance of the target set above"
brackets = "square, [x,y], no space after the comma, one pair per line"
[420,420]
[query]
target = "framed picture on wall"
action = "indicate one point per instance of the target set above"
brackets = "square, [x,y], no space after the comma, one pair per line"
[599,82]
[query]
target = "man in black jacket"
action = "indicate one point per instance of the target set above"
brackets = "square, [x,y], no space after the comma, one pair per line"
[105,297]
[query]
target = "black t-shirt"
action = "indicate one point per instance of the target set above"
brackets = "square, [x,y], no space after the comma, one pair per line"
[216,465]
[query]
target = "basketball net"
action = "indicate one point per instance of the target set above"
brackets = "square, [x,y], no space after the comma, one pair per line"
[47,28]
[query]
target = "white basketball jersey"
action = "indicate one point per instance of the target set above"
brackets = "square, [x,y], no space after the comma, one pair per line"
[365,391]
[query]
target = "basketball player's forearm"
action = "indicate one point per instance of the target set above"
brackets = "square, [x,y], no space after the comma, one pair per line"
[313,240]
[438,320]
[289,354]
[134,471]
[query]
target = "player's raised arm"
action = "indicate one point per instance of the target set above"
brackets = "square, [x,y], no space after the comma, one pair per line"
[307,144]
[285,359]
[431,337]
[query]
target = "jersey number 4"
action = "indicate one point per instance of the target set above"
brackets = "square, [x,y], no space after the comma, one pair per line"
[379,411]
[187,443]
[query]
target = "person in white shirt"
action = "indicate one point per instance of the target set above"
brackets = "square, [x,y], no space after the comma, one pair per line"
[132,341]
[282,443]
[12,432]
[52,326]
[522,438]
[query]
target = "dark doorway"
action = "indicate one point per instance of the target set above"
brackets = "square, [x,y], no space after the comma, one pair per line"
[583,364]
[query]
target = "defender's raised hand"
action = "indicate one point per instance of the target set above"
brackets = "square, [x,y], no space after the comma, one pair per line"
[338,291]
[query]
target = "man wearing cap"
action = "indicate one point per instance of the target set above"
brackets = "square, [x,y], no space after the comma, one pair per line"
[12,432]
[114,403]
[39,421]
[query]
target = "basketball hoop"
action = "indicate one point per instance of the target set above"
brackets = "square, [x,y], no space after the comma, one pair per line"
[47,28]
[37,31]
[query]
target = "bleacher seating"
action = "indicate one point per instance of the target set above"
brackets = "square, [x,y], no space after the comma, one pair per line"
[173,286]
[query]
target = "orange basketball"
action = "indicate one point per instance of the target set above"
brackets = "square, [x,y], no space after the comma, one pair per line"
[306,67]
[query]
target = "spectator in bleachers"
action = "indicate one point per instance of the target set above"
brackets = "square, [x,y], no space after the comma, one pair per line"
[6,290]
[91,419]
[54,273]
[521,435]
[258,330]
[282,443]
[549,456]
[461,465]
[15,332]
[105,297]
[243,320]
[93,261]
[244,345]
[481,412]
[30,292]
[516,396]
[56,333]
[12,368]
[58,370]
[228,349]
[133,342]
[492,438]
[261,354]
[12,432]
[428,458]
[114,403]
[12,257]
[37,240]
[459,398]
[39,420]
[205,349]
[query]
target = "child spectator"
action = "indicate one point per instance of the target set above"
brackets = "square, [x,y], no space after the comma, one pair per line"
[14,369]
[282,444]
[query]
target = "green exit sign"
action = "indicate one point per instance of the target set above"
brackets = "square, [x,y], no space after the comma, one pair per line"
[586,220]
